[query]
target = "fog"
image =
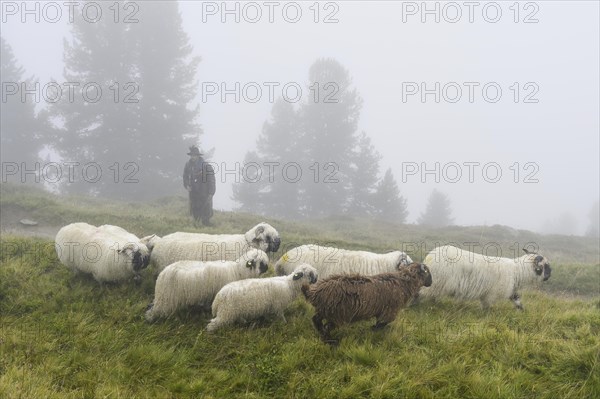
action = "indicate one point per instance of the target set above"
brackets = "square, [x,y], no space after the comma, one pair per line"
[526,156]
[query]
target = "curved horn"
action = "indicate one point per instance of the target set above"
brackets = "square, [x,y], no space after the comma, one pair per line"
[529,252]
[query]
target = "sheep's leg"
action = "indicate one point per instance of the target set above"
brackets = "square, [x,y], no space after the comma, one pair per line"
[214,325]
[282,316]
[318,323]
[517,301]
[324,330]
[150,312]
[485,303]
[415,300]
[326,336]
[379,325]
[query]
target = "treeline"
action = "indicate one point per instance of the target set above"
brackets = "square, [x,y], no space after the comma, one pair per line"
[128,105]
[124,105]
[326,165]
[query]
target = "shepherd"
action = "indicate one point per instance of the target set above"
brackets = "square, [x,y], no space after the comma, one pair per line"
[199,181]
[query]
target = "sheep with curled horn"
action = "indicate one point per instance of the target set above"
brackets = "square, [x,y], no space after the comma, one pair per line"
[188,282]
[211,247]
[465,275]
[342,299]
[330,260]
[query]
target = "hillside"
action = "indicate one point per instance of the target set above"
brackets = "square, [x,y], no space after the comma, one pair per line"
[169,214]
[65,336]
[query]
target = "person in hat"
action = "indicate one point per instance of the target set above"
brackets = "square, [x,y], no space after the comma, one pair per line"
[199,181]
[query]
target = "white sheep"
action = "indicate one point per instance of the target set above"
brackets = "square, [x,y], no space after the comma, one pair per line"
[256,297]
[469,276]
[108,253]
[150,241]
[187,282]
[208,247]
[329,261]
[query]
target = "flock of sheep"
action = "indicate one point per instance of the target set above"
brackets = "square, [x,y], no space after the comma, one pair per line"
[222,272]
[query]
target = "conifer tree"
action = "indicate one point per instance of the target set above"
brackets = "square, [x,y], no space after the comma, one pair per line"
[21,131]
[388,204]
[328,121]
[365,168]
[438,211]
[140,127]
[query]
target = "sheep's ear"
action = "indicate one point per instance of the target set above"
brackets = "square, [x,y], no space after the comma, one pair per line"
[402,261]
[298,276]
[259,230]
[528,252]
[130,246]
[250,264]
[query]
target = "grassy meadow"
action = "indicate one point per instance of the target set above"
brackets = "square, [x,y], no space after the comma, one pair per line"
[66,336]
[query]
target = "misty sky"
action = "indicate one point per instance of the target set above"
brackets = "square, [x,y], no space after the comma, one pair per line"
[557,137]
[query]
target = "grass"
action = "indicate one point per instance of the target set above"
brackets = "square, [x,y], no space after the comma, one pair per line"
[65,336]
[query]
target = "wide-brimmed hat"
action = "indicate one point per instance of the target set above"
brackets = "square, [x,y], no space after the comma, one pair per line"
[194,151]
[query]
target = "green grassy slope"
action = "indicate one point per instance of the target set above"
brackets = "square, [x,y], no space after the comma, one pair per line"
[169,214]
[65,336]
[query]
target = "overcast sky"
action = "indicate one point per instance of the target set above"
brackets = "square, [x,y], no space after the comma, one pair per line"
[550,135]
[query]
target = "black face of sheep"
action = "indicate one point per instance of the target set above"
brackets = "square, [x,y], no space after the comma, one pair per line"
[273,243]
[139,261]
[547,271]
[312,277]
[263,267]
[541,265]
[425,274]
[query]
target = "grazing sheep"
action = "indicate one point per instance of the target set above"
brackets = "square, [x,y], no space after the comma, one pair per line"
[150,241]
[344,299]
[207,247]
[117,230]
[109,253]
[466,275]
[187,282]
[250,299]
[329,261]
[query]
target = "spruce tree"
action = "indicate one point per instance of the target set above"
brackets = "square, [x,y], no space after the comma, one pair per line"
[365,168]
[329,120]
[338,166]
[388,204]
[97,126]
[139,130]
[438,211]
[275,191]
[249,192]
[22,133]
[166,123]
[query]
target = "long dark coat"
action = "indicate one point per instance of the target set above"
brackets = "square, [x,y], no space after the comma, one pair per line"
[199,178]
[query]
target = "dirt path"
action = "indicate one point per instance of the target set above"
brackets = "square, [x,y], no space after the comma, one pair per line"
[10,224]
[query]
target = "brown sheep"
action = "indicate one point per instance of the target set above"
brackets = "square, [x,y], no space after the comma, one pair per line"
[344,299]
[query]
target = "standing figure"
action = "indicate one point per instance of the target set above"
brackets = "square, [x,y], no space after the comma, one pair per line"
[199,181]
